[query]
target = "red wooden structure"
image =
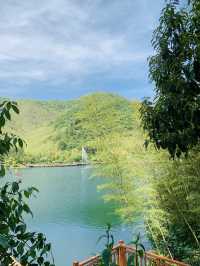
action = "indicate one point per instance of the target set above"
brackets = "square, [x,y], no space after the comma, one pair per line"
[121,253]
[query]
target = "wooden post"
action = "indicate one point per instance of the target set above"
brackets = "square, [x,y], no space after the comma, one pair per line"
[122,254]
[75,263]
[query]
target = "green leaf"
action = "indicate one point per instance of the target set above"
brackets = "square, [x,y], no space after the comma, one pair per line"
[4,229]
[40,260]
[15,109]
[27,209]
[33,253]
[141,253]
[20,248]
[15,187]
[4,241]
[142,246]
[2,121]
[8,105]
[131,260]
[2,170]
[26,193]
[21,144]
[106,256]
[21,228]
[7,114]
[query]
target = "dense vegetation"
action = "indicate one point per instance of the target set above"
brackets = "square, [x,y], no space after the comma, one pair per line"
[92,117]
[56,131]
[173,118]
[172,122]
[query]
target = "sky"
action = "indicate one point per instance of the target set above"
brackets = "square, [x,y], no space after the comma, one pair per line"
[62,49]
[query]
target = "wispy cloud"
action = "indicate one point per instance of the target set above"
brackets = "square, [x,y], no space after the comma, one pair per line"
[67,45]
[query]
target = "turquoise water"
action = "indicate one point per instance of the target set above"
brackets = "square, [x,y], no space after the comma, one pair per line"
[71,212]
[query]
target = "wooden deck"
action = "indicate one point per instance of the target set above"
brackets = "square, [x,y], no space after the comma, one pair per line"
[122,252]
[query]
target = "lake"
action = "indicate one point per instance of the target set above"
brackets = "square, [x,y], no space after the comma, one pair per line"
[71,212]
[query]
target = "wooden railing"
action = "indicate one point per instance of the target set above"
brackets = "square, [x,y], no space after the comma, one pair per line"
[121,254]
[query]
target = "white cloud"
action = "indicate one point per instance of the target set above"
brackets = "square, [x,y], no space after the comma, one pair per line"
[56,40]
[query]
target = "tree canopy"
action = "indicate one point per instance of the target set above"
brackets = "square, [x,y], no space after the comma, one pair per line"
[172,118]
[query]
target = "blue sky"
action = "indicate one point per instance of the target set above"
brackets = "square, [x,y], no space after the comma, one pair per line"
[61,49]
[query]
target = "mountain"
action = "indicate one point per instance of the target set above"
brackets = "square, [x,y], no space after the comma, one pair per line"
[55,131]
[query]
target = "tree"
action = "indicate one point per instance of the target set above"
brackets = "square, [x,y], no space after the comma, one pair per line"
[16,241]
[172,119]
[172,122]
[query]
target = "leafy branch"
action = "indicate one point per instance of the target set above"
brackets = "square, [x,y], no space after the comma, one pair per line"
[16,241]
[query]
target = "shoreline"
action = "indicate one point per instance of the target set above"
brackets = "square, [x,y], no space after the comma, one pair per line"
[46,165]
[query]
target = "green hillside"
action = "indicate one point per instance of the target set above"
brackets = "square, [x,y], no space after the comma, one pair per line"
[55,131]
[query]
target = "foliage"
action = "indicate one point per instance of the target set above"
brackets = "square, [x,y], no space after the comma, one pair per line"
[29,248]
[174,215]
[172,122]
[134,260]
[8,141]
[172,119]
[106,255]
[145,183]
[127,168]
[35,125]
[92,117]
[55,131]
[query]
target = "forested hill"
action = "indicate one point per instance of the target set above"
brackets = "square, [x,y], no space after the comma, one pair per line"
[55,131]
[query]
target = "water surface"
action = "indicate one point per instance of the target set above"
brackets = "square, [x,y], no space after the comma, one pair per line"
[71,212]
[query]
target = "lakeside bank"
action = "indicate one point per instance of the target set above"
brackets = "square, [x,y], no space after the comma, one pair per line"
[46,165]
